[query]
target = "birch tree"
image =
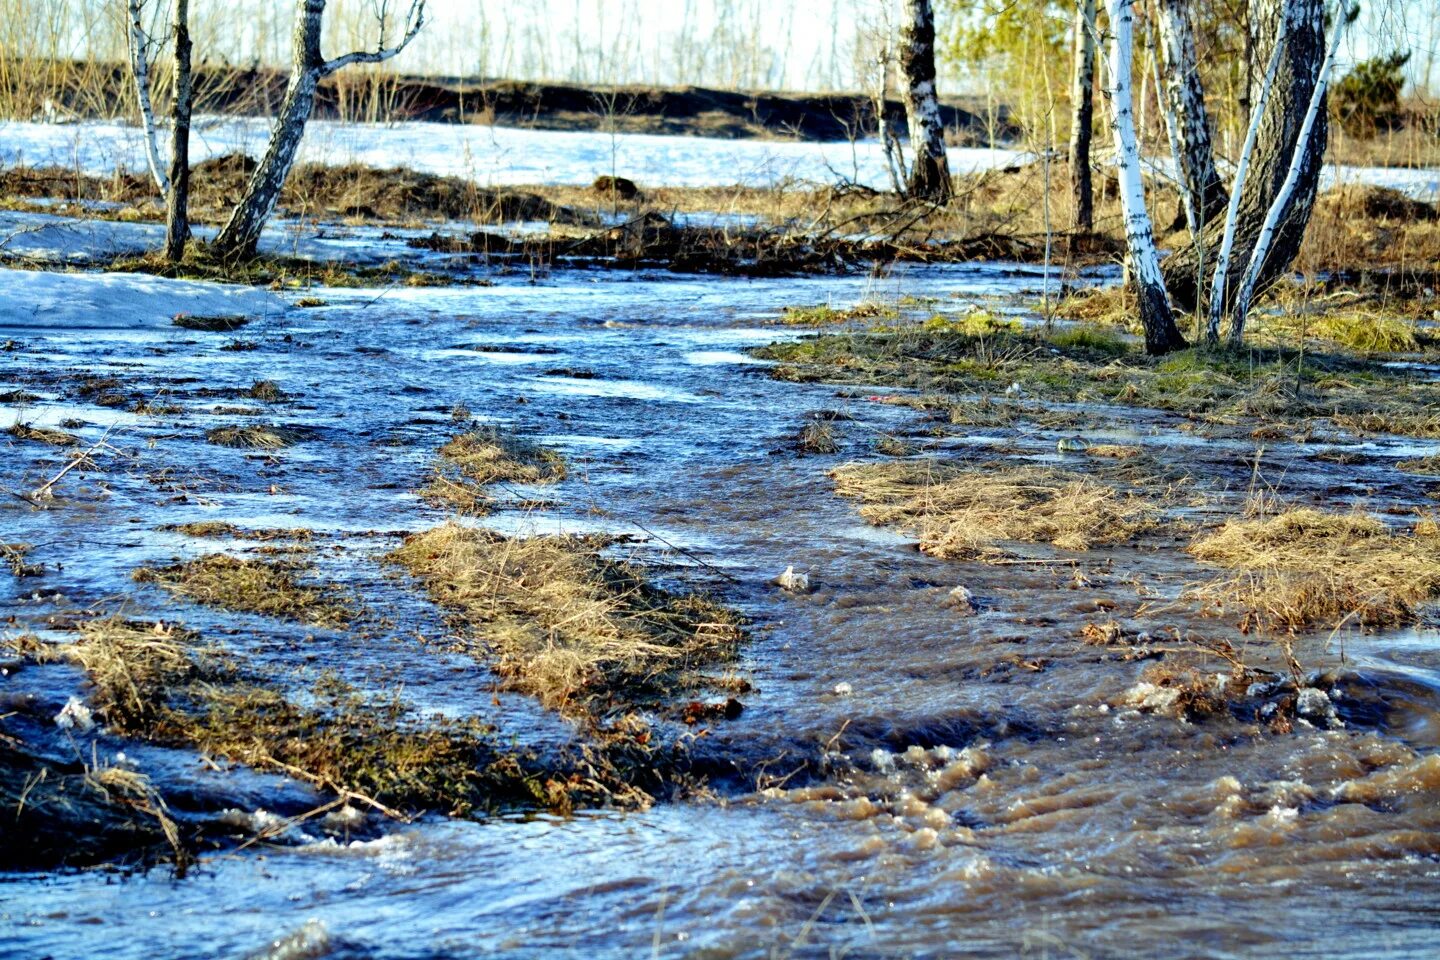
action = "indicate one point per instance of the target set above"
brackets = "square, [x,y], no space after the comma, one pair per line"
[177,198]
[1082,101]
[1185,102]
[241,233]
[930,175]
[1300,26]
[141,46]
[1306,146]
[1161,334]
[174,187]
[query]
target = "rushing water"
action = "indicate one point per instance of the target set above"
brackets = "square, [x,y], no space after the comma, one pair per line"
[987,796]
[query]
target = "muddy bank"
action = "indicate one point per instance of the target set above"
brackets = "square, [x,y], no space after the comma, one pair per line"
[685,111]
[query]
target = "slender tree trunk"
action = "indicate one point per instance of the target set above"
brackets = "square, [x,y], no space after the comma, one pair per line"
[177,207]
[1278,130]
[1161,334]
[140,72]
[241,234]
[930,176]
[1082,100]
[1185,96]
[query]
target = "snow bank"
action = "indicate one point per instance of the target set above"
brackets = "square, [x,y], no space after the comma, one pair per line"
[32,300]
[497,156]
[503,156]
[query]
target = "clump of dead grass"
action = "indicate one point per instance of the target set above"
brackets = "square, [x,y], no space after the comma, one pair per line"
[573,628]
[818,437]
[1425,465]
[155,682]
[252,586]
[56,438]
[473,460]
[254,437]
[963,513]
[221,529]
[1306,568]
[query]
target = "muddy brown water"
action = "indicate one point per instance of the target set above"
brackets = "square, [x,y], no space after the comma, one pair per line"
[931,784]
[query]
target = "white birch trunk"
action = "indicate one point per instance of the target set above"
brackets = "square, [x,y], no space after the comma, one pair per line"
[1161,335]
[930,176]
[1305,145]
[1222,262]
[241,232]
[140,71]
[1185,112]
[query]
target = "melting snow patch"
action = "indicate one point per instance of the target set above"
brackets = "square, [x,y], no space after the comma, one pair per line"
[63,302]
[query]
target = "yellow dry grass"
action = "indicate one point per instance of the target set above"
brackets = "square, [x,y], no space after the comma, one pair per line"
[566,625]
[251,586]
[1306,568]
[963,513]
[473,460]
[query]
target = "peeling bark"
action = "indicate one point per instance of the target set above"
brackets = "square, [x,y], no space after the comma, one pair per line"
[1082,101]
[239,236]
[1278,126]
[1161,334]
[1185,100]
[930,175]
[177,201]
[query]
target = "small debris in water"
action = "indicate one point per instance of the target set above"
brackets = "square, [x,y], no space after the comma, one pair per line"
[843,689]
[963,601]
[1072,445]
[792,581]
[75,715]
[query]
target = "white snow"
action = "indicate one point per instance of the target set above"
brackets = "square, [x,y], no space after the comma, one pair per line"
[486,155]
[502,156]
[39,301]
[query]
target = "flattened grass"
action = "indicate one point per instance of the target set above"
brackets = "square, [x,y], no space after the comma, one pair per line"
[1306,568]
[255,437]
[155,682]
[960,513]
[573,628]
[251,586]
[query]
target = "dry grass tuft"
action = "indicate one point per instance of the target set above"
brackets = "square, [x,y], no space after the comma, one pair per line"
[818,436]
[1305,568]
[266,391]
[568,626]
[257,437]
[472,460]
[962,513]
[209,324]
[1429,466]
[251,586]
[56,438]
[222,529]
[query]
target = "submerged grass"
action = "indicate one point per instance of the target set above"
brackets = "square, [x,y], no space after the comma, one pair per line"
[964,513]
[155,682]
[1085,366]
[252,586]
[1307,568]
[579,631]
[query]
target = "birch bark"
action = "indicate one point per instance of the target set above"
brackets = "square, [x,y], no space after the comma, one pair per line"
[241,233]
[1161,334]
[1185,98]
[1278,126]
[1309,149]
[930,175]
[140,72]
